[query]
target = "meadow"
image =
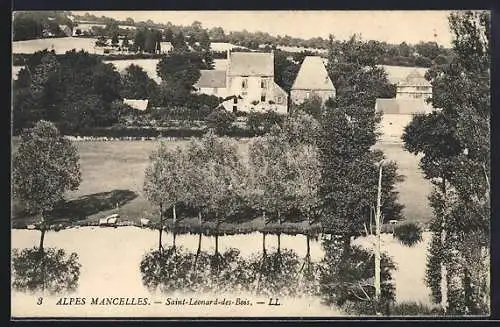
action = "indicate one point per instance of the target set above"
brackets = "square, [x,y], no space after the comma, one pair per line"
[113,177]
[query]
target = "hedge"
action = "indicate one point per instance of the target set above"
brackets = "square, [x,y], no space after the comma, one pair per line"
[144,132]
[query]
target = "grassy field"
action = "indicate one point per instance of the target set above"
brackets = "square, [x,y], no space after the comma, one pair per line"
[113,176]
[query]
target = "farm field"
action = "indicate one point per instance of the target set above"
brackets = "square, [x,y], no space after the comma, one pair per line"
[149,66]
[113,175]
[60,45]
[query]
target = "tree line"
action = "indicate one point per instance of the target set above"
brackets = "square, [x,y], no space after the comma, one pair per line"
[423,54]
[322,164]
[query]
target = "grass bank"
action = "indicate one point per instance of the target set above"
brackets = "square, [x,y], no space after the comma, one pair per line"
[113,177]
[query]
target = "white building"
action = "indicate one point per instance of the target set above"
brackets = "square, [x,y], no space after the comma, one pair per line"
[312,80]
[414,86]
[411,95]
[249,78]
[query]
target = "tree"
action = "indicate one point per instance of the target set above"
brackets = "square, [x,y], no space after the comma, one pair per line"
[429,50]
[312,106]
[26,26]
[285,71]
[101,41]
[169,35]
[179,42]
[454,142]
[349,172]
[136,84]
[140,39]
[45,166]
[114,39]
[164,182]
[125,43]
[220,121]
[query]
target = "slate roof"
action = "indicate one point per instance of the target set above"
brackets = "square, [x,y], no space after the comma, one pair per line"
[212,78]
[414,79]
[251,64]
[312,75]
[137,104]
[402,106]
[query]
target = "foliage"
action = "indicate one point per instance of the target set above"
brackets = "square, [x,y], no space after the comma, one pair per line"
[221,121]
[179,71]
[454,144]
[75,90]
[29,25]
[164,182]
[275,274]
[285,71]
[45,166]
[263,121]
[312,106]
[348,132]
[136,84]
[413,309]
[408,234]
[51,271]
[347,276]
[283,173]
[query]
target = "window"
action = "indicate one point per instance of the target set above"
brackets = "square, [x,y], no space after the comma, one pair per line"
[235,100]
[263,84]
[244,93]
[263,98]
[235,108]
[244,83]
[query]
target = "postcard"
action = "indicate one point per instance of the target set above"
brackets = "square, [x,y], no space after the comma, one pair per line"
[210,164]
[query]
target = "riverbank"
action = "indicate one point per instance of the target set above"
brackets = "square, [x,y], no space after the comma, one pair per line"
[110,266]
[113,178]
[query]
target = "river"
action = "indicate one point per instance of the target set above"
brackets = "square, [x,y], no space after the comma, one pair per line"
[110,259]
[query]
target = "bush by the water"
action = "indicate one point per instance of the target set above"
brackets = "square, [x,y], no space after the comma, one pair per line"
[408,234]
[413,309]
[49,271]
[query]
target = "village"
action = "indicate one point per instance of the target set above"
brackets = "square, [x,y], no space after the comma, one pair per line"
[249,164]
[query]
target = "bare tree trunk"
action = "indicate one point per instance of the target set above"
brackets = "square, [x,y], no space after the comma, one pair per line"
[199,243]
[308,253]
[160,229]
[264,243]
[444,272]
[42,237]
[279,232]
[216,244]
[174,227]
[377,244]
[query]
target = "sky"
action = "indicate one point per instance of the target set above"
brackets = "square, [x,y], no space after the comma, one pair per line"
[389,26]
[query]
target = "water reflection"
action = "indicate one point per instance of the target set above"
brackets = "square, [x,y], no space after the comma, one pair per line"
[347,274]
[48,270]
[280,273]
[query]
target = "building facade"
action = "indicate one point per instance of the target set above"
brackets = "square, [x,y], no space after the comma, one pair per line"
[312,80]
[414,86]
[248,80]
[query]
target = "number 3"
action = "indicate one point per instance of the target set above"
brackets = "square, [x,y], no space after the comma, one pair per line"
[39,302]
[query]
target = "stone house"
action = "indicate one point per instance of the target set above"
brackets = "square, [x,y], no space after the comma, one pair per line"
[312,79]
[249,81]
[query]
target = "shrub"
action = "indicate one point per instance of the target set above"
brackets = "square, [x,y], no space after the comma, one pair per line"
[413,309]
[408,234]
[221,120]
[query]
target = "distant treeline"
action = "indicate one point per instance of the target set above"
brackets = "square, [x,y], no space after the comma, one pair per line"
[423,54]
